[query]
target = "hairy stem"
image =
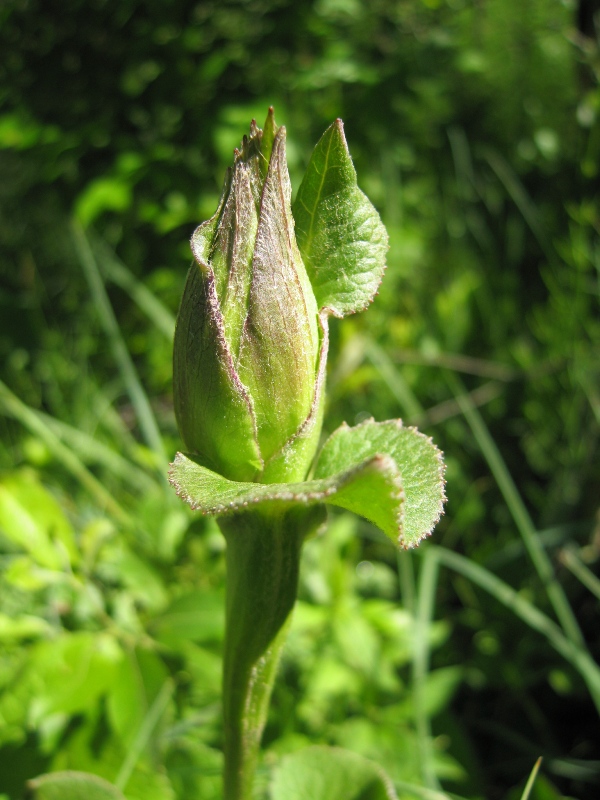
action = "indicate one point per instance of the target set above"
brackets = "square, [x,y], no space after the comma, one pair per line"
[263,558]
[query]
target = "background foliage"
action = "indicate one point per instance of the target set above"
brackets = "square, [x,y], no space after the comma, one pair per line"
[475,130]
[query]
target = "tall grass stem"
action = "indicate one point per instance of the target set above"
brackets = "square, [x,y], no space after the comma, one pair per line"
[144,733]
[574,564]
[428,576]
[146,301]
[139,398]
[572,652]
[519,513]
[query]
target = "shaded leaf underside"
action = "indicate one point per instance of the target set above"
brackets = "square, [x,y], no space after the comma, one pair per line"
[360,469]
[372,489]
[417,459]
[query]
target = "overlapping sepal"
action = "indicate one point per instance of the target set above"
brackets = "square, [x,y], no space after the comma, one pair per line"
[248,346]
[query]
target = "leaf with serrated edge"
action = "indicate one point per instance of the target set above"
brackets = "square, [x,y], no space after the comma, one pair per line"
[340,235]
[372,489]
[391,475]
[417,458]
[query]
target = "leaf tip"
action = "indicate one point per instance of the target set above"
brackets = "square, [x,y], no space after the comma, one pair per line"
[337,129]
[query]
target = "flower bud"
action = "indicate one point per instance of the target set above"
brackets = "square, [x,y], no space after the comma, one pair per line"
[249,348]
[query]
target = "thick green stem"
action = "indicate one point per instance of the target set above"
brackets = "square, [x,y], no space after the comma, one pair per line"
[263,558]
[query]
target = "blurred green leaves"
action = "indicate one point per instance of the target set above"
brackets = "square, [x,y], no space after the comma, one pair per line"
[32,520]
[323,773]
[72,786]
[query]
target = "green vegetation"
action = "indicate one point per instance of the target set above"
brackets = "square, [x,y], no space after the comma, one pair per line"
[474,130]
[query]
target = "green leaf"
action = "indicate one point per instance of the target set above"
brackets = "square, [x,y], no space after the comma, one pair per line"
[70,673]
[25,626]
[419,465]
[80,751]
[194,617]
[33,521]
[391,475]
[440,686]
[330,773]
[139,681]
[120,564]
[340,235]
[110,193]
[72,786]
[372,488]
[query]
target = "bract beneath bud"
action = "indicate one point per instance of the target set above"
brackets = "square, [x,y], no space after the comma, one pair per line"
[249,351]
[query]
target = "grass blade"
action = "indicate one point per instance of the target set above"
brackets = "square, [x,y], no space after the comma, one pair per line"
[523,521]
[90,450]
[423,793]
[572,562]
[394,380]
[521,199]
[425,609]
[136,392]
[493,370]
[531,779]
[571,651]
[447,409]
[146,301]
[147,727]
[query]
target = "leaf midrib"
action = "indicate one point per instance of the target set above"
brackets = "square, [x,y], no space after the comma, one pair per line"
[308,246]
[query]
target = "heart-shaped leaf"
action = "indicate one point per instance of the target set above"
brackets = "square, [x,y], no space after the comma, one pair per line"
[342,240]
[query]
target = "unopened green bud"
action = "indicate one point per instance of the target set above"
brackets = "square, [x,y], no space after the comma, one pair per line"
[249,348]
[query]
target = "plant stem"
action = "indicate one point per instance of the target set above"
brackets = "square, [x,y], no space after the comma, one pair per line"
[263,559]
